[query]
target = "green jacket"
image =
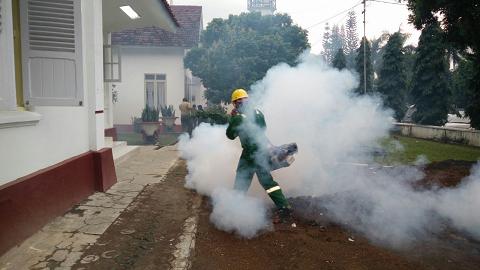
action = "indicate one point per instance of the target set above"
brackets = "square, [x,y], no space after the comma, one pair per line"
[250,131]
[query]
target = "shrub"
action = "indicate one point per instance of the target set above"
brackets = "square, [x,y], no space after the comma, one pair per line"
[167,111]
[215,114]
[150,114]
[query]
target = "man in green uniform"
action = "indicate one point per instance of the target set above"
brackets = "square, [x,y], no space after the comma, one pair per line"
[249,125]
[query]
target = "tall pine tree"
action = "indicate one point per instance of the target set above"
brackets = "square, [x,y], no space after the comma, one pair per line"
[351,34]
[327,44]
[337,38]
[351,38]
[359,67]
[430,84]
[339,61]
[392,78]
[332,42]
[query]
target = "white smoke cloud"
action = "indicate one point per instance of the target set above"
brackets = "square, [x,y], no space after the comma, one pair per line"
[461,205]
[212,161]
[336,130]
[234,211]
[212,158]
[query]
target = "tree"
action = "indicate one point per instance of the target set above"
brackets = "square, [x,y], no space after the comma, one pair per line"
[460,20]
[339,61]
[332,41]
[378,48]
[351,38]
[351,34]
[461,85]
[326,43]
[238,51]
[392,79]
[430,85]
[359,67]
[337,38]
[409,53]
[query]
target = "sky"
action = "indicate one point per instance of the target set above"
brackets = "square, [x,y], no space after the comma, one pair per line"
[309,13]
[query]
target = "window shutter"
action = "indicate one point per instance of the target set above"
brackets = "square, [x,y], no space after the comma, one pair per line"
[52,52]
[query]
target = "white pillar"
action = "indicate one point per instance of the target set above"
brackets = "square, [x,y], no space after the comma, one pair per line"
[108,103]
[93,70]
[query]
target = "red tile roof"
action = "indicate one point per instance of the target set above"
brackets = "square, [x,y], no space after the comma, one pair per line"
[189,19]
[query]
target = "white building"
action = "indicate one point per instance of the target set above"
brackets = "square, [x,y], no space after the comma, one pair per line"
[152,69]
[52,104]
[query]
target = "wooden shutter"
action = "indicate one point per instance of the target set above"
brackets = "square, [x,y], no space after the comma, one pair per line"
[52,52]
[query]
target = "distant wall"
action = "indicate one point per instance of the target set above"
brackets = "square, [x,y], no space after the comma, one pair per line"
[464,136]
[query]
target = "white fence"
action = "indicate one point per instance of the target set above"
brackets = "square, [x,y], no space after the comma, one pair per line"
[456,135]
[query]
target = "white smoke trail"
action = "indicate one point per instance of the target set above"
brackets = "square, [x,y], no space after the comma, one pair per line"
[314,106]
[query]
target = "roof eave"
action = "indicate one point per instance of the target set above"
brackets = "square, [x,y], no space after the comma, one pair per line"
[152,13]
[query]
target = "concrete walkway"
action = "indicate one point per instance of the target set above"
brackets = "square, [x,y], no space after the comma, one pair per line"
[62,243]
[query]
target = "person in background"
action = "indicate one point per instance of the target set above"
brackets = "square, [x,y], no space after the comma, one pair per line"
[194,116]
[186,109]
[201,117]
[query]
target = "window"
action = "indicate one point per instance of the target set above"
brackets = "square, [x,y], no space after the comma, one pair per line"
[112,63]
[155,90]
[188,88]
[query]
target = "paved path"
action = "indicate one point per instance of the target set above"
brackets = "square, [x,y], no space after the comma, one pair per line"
[63,242]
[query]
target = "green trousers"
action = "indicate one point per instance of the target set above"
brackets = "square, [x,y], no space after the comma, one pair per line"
[247,166]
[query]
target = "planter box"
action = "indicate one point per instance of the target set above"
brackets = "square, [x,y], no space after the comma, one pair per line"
[149,128]
[169,121]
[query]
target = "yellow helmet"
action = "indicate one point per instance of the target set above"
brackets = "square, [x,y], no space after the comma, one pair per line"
[238,94]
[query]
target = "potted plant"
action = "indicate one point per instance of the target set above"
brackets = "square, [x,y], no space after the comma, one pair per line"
[168,116]
[150,122]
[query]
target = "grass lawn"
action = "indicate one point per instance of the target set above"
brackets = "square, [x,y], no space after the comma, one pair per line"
[433,151]
[137,139]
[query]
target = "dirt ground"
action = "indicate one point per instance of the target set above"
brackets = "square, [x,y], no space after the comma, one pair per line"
[145,235]
[313,245]
[446,173]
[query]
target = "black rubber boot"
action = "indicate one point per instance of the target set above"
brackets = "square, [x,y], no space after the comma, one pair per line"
[285,215]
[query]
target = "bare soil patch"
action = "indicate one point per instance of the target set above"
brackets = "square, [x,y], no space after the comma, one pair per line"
[322,244]
[145,234]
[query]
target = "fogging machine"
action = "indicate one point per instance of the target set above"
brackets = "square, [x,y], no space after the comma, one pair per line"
[282,156]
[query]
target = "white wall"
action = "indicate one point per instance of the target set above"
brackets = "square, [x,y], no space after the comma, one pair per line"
[465,136]
[63,132]
[197,89]
[136,61]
